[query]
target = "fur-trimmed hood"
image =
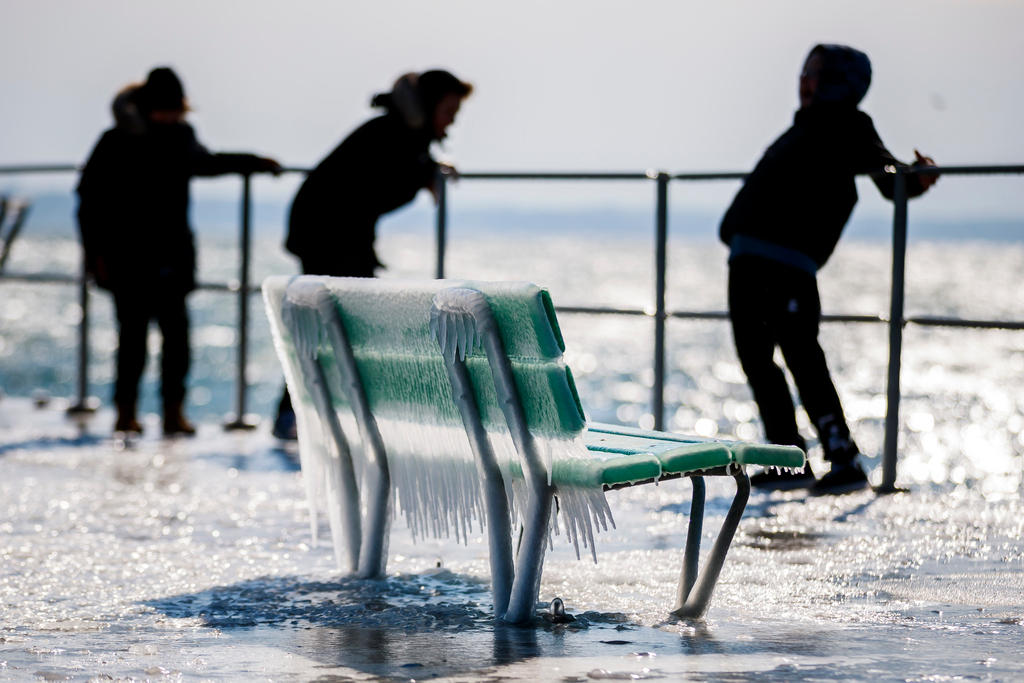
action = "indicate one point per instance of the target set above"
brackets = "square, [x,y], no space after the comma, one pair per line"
[125,109]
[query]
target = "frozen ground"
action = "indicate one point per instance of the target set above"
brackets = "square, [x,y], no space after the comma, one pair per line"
[189,560]
[192,559]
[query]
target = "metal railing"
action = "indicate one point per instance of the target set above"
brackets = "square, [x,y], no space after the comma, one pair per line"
[895,321]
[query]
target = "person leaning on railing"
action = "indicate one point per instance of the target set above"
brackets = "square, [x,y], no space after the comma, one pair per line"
[378,168]
[137,242]
[781,228]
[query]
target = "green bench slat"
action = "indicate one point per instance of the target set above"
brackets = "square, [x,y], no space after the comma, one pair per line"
[525,315]
[674,457]
[742,453]
[605,468]
[395,382]
[767,455]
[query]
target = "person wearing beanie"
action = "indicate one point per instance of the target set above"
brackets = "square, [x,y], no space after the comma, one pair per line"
[781,229]
[133,221]
[378,168]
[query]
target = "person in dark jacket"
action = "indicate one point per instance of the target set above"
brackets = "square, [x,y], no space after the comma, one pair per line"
[137,242]
[378,168]
[781,229]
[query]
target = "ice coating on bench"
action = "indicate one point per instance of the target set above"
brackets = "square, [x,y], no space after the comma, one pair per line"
[432,467]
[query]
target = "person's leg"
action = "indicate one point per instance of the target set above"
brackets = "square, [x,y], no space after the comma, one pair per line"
[798,339]
[285,421]
[751,305]
[806,361]
[752,309]
[172,316]
[132,324]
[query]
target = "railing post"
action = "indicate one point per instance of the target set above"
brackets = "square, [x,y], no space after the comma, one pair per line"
[660,259]
[84,403]
[240,420]
[892,413]
[442,220]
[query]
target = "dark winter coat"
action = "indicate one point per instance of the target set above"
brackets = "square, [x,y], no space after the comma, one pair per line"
[379,167]
[802,191]
[134,200]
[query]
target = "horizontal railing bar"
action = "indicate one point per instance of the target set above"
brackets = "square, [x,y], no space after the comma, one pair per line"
[921,320]
[41,278]
[721,175]
[600,310]
[965,170]
[62,279]
[934,321]
[586,175]
[40,168]
[556,175]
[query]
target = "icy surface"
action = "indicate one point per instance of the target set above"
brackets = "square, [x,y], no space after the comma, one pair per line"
[192,560]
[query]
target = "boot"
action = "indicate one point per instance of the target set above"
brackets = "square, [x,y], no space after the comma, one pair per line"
[175,423]
[844,477]
[835,439]
[126,421]
[847,474]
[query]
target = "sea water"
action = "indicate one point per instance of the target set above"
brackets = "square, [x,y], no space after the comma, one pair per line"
[194,560]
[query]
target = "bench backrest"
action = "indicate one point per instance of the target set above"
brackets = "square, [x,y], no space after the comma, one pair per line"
[387,323]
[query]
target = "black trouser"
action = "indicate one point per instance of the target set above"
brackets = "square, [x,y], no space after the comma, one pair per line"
[135,308]
[773,305]
[323,266]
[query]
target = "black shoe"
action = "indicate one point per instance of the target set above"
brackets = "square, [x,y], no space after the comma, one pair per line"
[844,477]
[783,480]
[284,426]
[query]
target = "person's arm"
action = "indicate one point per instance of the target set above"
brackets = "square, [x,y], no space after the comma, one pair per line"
[206,163]
[871,156]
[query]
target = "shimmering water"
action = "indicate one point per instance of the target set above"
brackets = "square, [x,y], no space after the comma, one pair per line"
[192,559]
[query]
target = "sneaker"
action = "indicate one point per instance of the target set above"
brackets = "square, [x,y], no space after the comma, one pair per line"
[783,480]
[284,427]
[844,477]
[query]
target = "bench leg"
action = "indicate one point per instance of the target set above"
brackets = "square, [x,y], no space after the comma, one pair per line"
[451,311]
[530,559]
[499,523]
[373,553]
[344,472]
[691,559]
[693,600]
[376,475]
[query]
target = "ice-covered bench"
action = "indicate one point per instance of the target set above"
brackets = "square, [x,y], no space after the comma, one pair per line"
[454,397]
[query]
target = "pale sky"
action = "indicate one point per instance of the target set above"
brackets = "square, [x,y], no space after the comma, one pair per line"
[577,85]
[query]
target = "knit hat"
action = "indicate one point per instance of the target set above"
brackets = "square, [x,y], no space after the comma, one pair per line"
[162,91]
